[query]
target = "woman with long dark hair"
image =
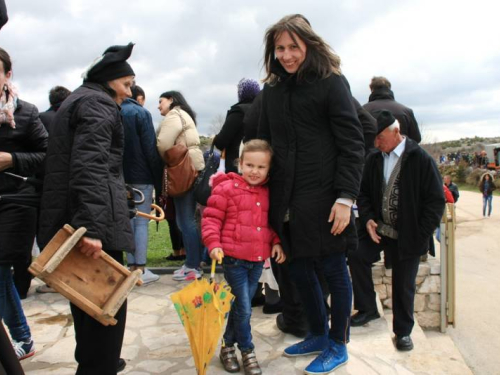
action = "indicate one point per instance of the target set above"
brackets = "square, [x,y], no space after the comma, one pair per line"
[310,120]
[179,125]
[23,143]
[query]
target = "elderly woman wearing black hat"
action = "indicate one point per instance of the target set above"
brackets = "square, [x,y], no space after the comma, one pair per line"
[84,187]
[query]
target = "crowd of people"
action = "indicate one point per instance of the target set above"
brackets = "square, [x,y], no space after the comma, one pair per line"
[312,158]
[476,159]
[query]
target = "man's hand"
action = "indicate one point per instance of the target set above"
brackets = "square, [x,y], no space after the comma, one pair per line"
[90,247]
[371,228]
[278,254]
[5,160]
[341,216]
[217,254]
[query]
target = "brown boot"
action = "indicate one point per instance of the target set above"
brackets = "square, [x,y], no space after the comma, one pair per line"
[250,363]
[228,359]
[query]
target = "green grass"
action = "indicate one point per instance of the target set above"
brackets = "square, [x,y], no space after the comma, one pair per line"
[159,246]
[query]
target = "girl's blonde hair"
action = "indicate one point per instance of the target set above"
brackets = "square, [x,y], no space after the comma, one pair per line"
[256,145]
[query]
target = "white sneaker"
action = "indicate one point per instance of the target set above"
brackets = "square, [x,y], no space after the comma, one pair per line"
[180,270]
[188,274]
[23,349]
[149,277]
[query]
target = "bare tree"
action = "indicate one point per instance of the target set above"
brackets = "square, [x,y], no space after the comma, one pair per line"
[216,124]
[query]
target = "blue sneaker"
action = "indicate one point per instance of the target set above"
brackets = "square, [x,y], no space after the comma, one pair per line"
[310,345]
[332,358]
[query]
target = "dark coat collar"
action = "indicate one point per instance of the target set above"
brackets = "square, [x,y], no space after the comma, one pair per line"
[380,94]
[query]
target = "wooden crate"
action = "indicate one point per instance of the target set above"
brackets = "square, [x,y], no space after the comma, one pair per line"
[97,286]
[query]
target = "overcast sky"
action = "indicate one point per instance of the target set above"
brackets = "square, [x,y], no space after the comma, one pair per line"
[442,57]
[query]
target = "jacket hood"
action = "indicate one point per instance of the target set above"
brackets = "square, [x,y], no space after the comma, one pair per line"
[380,94]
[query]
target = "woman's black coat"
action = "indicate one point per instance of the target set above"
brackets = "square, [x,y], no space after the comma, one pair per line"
[421,198]
[231,134]
[27,143]
[318,147]
[84,184]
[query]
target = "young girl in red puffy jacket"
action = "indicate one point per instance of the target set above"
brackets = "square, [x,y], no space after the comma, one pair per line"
[235,229]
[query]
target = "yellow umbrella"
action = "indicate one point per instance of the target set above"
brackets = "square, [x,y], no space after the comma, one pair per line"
[203,307]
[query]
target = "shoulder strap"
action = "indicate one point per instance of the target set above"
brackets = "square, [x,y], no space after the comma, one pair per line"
[184,127]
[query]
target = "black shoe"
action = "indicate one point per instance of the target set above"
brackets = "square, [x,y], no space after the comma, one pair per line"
[361,318]
[272,309]
[121,365]
[175,258]
[404,343]
[296,330]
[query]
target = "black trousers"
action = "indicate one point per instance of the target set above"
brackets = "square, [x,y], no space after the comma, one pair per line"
[404,274]
[98,347]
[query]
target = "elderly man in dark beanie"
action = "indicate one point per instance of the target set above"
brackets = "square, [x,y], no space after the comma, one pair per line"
[400,204]
[84,187]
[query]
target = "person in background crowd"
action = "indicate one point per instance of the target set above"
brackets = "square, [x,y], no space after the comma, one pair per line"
[486,187]
[139,95]
[309,118]
[400,205]
[142,169]
[382,97]
[57,95]
[23,143]
[452,187]
[179,125]
[231,134]
[84,187]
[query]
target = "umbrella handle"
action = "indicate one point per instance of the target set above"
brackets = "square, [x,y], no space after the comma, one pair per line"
[153,217]
[212,270]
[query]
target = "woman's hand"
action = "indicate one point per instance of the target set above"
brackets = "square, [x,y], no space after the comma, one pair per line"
[278,254]
[90,247]
[341,216]
[217,254]
[371,228]
[5,160]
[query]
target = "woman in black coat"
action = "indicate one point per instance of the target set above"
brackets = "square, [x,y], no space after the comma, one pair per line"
[84,187]
[309,118]
[231,134]
[23,142]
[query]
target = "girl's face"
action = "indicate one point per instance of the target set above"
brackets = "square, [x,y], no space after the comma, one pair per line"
[255,166]
[291,55]
[487,177]
[164,105]
[4,76]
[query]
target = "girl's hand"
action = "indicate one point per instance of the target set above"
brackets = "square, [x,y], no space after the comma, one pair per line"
[341,216]
[278,254]
[217,254]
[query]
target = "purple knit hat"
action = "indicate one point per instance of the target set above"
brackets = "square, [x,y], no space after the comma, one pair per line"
[247,89]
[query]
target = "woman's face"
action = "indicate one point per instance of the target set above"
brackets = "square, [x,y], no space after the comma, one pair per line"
[291,55]
[164,105]
[122,88]
[4,77]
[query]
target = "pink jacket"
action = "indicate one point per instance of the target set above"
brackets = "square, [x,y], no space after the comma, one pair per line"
[235,219]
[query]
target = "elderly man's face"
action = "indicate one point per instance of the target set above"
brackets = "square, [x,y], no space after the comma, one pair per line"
[387,140]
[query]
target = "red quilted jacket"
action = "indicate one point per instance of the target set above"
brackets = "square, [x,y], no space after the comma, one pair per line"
[235,219]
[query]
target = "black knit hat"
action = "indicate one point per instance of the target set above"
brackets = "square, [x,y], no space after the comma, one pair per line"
[111,65]
[384,120]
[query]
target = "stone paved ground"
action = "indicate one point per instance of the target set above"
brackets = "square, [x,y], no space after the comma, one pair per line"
[155,341]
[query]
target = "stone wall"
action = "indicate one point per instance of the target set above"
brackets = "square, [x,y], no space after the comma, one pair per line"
[427,298]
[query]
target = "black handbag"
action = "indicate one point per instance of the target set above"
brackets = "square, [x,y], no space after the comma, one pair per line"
[202,189]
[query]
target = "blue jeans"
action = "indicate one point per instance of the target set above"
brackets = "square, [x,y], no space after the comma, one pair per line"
[11,310]
[487,202]
[243,277]
[335,271]
[185,207]
[140,227]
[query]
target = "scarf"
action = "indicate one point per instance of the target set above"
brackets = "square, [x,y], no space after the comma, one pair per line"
[8,104]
